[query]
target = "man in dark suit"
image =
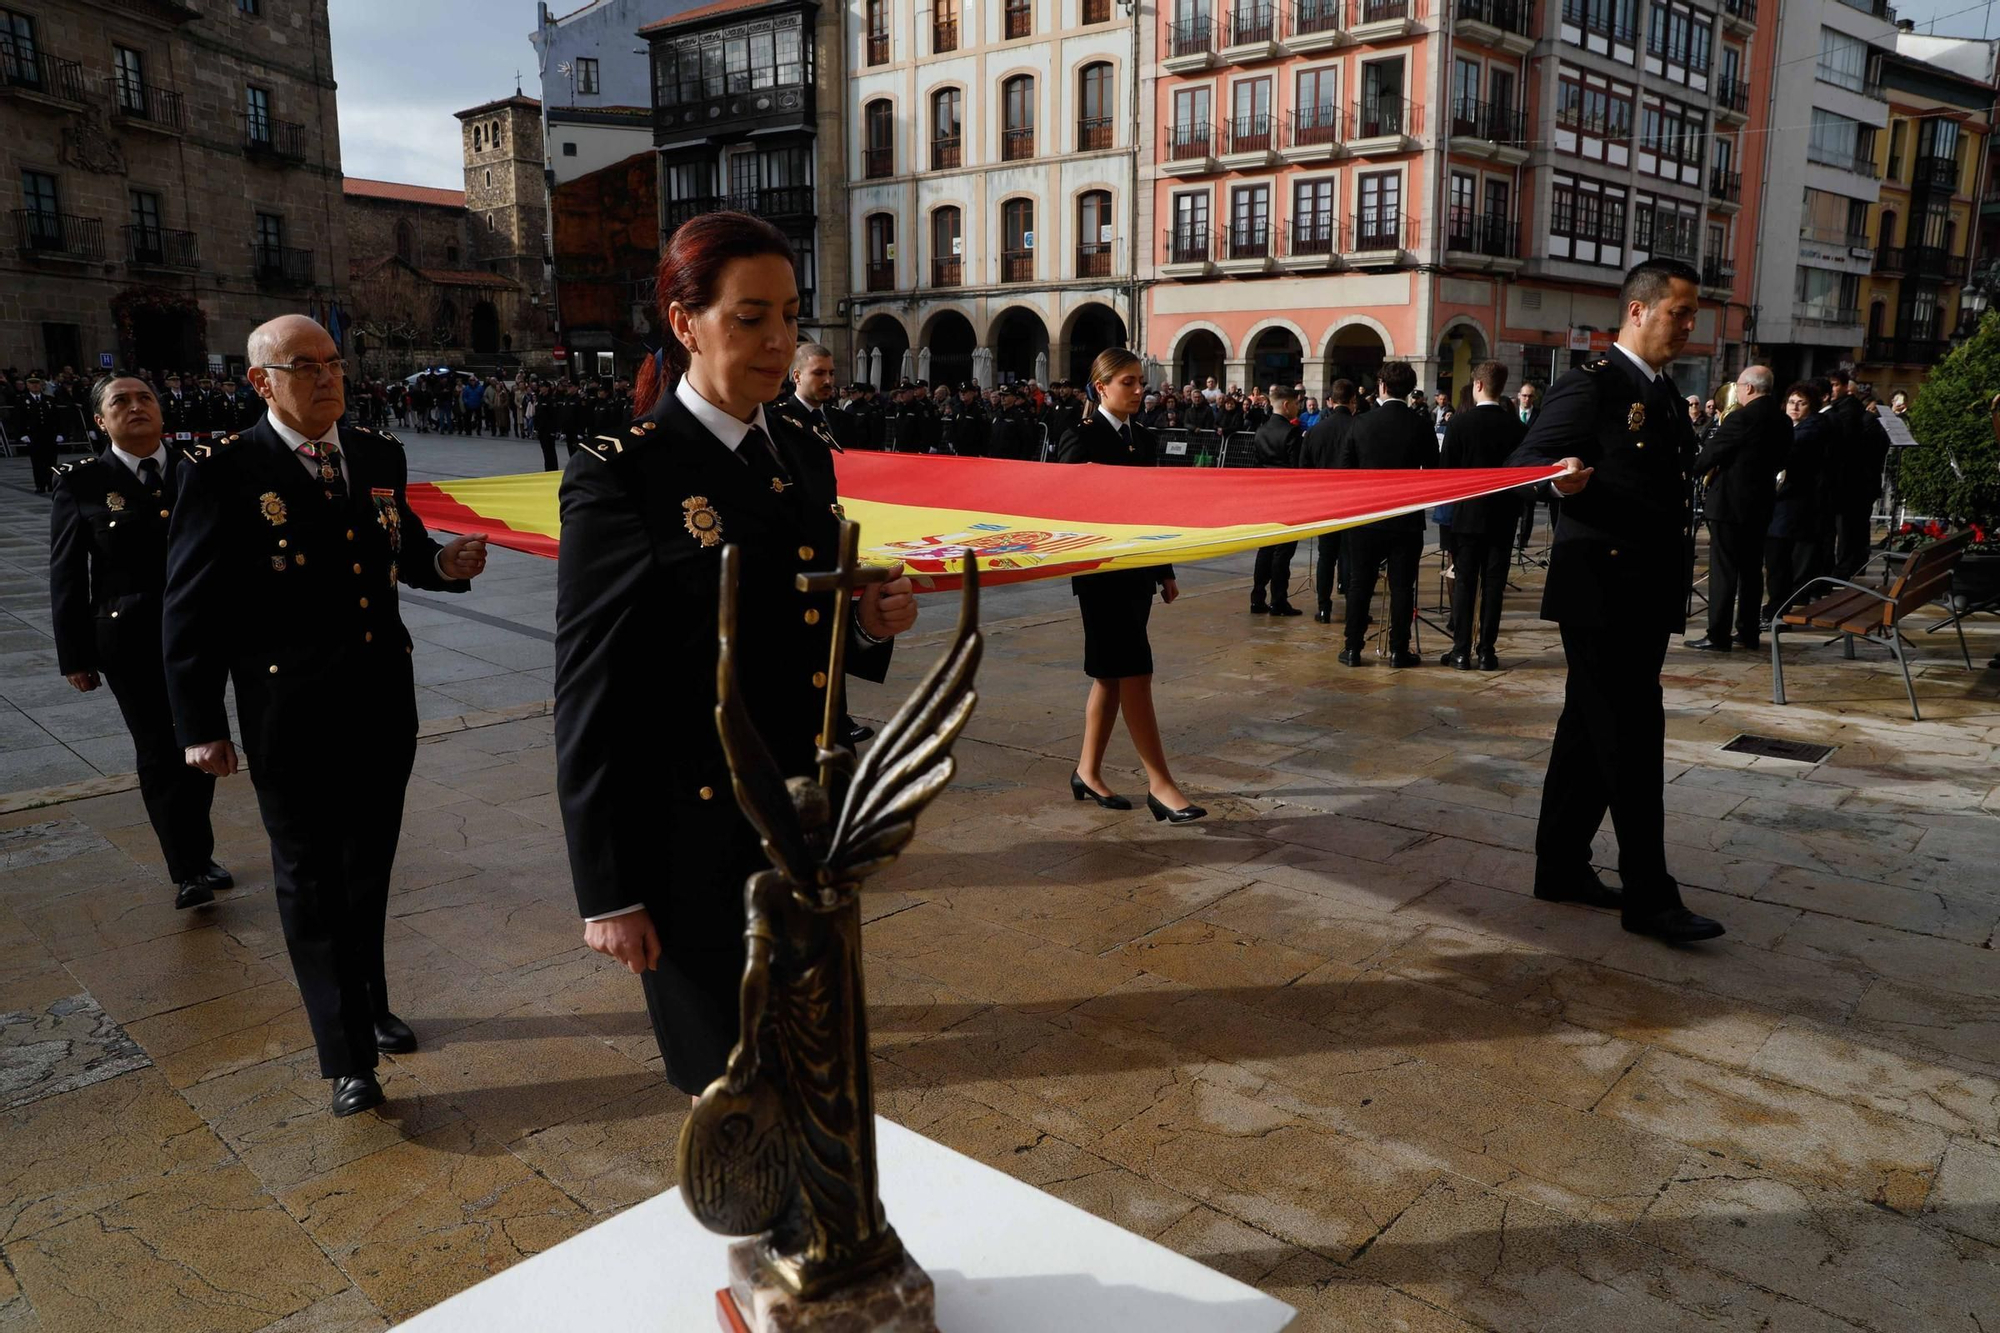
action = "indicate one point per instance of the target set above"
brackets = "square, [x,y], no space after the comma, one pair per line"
[1481,529]
[40,429]
[1741,462]
[1277,445]
[1320,448]
[1394,435]
[1856,480]
[284,557]
[1528,406]
[1617,587]
[107,569]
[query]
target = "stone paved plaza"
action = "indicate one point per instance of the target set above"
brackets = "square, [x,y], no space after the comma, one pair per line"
[1323,1041]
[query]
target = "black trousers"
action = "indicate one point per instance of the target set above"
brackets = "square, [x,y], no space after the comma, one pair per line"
[42,462]
[1481,560]
[1788,563]
[1368,548]
[548,442]
[1735,580]
[1526,527]
[177,797]
[1273,570]
[1609,748]
[332,862]
[1331,575]
[1853,534]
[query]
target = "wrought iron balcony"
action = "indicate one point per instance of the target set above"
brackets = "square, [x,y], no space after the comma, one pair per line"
[1717,271]
[1376,229]
[1378,11]
[282,266]
[1096,11]
[1313,126]
[1515,16]
[1191,37]
[878,162]
[1733,95]
[1384,117]
[1251,23]
[1093,259]
[155,247]
[878,48]
[279,139]
[1936,173]
[47,235]
[1726,186]
[945,152]
[1315,234]
[944,36]
[881,276]
[41,73]
[1742,9]
[1017,145]
[1017,266]
[1498,122]
[1314,16]
[1185,142]
[1250,134]
[1020,18]
[145,104]
[1841,160]
[1898,351]
[1249,240]
[947,271]
[1492,234]
[1094,132]
[778,201]
[1190,245]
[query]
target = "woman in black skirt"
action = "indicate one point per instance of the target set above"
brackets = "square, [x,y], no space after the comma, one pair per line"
[1116,604]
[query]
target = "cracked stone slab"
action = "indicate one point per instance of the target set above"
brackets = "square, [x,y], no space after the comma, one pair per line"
[70,1044]
[48,842]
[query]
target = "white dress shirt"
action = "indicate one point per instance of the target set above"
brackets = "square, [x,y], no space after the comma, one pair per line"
[297,441]
[720,424]
[132,461]
[1651,374]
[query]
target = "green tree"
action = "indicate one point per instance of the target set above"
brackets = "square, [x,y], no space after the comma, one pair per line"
[1954,472]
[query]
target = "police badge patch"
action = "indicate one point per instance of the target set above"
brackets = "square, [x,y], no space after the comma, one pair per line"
[1635,417]
[114,501]
[703,523]
[273,507]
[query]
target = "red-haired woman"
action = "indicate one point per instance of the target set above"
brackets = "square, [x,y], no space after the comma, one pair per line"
[1117,656]
[657,847]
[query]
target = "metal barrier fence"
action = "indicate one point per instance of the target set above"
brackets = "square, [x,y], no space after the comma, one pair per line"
[71,426]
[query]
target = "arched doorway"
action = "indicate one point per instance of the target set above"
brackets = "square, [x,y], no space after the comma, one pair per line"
[485,329]
[1275,358]
[1461,348]
[1094,329]
[883,342]
[1356,353]
[1018,340]
[950,341]
[1198,358]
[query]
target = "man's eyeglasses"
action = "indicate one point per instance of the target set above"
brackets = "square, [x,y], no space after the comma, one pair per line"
[333,369]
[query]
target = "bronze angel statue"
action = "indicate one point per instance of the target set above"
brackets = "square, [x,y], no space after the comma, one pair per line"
[783,1143]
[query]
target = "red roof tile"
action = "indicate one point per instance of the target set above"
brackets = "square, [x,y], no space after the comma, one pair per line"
[701,12]
[465,277]
[363,188]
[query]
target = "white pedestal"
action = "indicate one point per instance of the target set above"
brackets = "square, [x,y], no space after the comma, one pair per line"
[1006,1258]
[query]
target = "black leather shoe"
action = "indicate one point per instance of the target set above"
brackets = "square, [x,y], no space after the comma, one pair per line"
[1082,792]
[393,1036]
[356,1093]
[853,733]
[1323,616]
[216,877]
[1750,645]
[1406,659]
[1285,609]
[1584,888]
[1675,925]
[1707,645]
[1458,661]
[1259,609]
[193,892]
[1160,811]
[1488,662]
[1349,657]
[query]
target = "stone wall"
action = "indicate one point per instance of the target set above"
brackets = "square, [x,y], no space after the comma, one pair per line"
[606,241]
[438,233]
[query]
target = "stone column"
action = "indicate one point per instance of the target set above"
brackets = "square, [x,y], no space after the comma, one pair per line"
[1235,374]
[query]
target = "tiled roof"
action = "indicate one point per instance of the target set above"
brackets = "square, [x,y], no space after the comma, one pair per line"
[518,99]
[362,188]
[465,277]
[701,12]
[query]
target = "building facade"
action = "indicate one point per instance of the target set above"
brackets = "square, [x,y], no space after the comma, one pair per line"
[991,209]
[597,106]
[1442,180]
[742,120]
[1940,93]
[173,179]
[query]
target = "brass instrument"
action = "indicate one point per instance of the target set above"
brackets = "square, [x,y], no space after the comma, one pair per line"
[1725,403]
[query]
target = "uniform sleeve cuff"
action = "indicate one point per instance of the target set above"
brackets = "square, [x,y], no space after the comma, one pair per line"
[623,911]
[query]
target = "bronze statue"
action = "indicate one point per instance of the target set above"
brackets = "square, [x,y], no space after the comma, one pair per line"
[783,1143]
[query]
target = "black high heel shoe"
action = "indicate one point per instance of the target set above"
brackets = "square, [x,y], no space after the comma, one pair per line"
[1160,811]
[1078,789]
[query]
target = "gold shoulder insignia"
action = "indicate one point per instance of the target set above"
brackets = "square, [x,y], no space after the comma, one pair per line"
[390,438]
[603,446]
[1599,364]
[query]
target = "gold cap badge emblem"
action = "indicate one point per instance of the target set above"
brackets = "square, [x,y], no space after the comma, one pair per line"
[1635,417]
[703,523]
[273,506]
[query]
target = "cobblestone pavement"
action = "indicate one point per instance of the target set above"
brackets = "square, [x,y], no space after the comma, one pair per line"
[1324,1040]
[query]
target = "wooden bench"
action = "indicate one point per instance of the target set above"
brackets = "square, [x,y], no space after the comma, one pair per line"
[1858,612]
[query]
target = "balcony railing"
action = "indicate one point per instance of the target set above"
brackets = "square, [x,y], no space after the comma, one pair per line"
[58,235]
[1830,315]
[945,154]
[1936,173]
[1096,11]
[1094,132]
[1186,142]
[1384,117]
[1191,37]
[1020,20]
[1311,16]
[1934,261]
[1093,259]
[145,104]
[1499,122]
[1515,16]
[1377,229]
[1016,145]
[1742,9]
[155,247]
[1841,160]
[1600,20]
[1249,240]
[1717,272]
[947,271]
[1379,11]
[878,48]
[1726,186]
[881,275]
[878,162]
[1314,234]
[944,36]
[1491,234]
[1250,24]
[51,76]
[1250,134]
[1017,266]
[777,201]
[1891,259]
[1898,351]
[281,139]
[1733,94]
[281,265]
[1190,245]
[1313,125]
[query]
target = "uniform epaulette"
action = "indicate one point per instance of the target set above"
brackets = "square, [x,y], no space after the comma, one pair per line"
[201,453]
[1599,364]
[608,447]
[814,429]
[64,469]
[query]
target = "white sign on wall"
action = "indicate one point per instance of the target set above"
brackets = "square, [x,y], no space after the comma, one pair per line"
[958,245]
[1027,240]
[1104,233]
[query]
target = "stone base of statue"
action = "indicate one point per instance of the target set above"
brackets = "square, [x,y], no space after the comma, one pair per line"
[897,1301]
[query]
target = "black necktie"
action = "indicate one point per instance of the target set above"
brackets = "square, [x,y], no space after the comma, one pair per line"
[149,475]
[762,456]
[1125,437]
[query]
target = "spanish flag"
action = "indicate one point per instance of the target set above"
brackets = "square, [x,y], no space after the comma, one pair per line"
[1033,520]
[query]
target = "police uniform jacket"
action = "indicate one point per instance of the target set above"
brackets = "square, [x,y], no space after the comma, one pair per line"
[640,773]
[183,413]
[108,562]
[1394,436]
[293,597]
[1745,454]
[1277,443]
[1619,556]
[1098,441]
[41,419]
[965,432]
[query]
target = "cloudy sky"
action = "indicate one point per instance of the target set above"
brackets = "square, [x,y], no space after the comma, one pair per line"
[404,66]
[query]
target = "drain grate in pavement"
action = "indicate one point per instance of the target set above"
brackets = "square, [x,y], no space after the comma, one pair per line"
[1770,747]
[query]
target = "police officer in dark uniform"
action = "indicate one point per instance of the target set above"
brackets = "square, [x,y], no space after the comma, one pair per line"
[965,430]
[1617,587]
[1276,444]
[548,424]
[40,419]
[285,555]
[1064,412]
[658,849]
[913,418]
[107,569]
[181,412]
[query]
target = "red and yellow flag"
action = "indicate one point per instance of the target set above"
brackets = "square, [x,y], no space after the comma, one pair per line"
[1033,520]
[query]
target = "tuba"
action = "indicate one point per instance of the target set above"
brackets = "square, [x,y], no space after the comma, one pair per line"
[1725,403]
